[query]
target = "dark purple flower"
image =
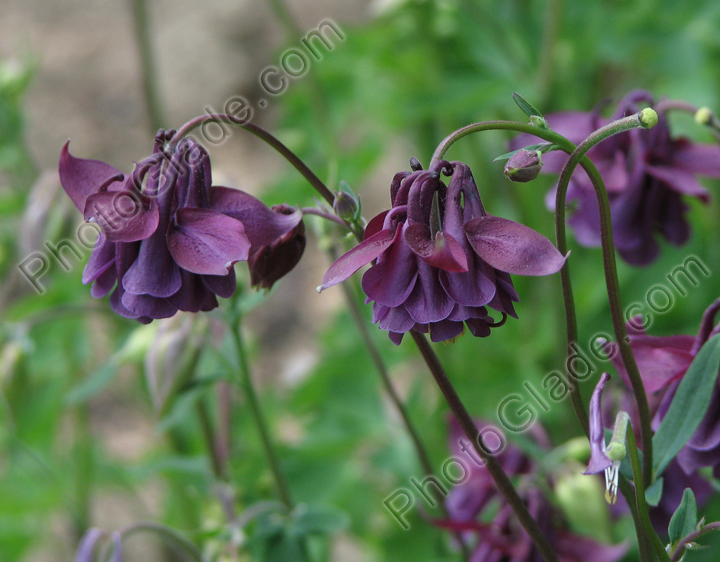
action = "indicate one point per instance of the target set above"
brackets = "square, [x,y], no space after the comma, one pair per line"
[441,259]
[502,539]
[168,237]
[647,173]
[599,461]
[663,362]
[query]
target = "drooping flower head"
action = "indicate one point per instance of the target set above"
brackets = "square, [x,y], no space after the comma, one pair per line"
[441,258]
[647,174]
[168,238]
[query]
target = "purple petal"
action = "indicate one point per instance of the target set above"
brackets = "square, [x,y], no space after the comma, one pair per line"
[396,319]
[192,294]
[598,459]
[122,215]
[222,285]
[428,301]
[262,225]
[101,259]
[703,159]
[391,281]
[512,247]
[445,330]
[86,549]
[680,180]
[117,555]
[362,254]
[375,225]
[103,284]
[81,178]
[444,252]
[475,287]
[147,306]
[207,242]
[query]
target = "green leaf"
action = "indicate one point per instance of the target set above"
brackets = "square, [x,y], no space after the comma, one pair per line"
[688,406]
[654,493]
[93,385]
[314,519]
[527,108]
[684,519]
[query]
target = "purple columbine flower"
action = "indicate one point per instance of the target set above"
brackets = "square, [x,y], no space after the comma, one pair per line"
[441,258]
[168,238]
[502,539]
[647,174]
[663,362]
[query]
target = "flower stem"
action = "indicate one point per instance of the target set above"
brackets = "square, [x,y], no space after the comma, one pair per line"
[324,215]
[642,507]
[262,134]
[147,62]
[374,353]
[610,267]
[187,545]
[644,548]
[246,383]
[561,242]
[692,537]
[498,474]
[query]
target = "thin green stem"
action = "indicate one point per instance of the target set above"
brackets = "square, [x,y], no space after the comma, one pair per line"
[187,545]
[471,431]
[642,506]
[644,547]
[374,353]
[210,442]
[147,64]
[692,537]
[246,383]
[610,267]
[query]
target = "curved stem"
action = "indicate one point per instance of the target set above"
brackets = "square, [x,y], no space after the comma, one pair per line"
[468,425]
[610,267]
[663,106]
[262,134]
[682,544]
[327,216]
[560,236]
[188,546]
[642,507]
[248,387]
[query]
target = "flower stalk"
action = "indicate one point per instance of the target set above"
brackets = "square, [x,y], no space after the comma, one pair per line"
[471,431]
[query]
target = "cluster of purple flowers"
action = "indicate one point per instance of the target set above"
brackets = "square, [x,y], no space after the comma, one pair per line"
[441,259]
[169,238]
[647,174]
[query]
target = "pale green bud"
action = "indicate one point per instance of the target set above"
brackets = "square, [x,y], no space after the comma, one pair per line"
[648,118]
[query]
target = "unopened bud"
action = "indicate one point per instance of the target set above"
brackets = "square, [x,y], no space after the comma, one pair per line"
[346,206]
[648,118]
[524,165]
[539,121]
[704,116]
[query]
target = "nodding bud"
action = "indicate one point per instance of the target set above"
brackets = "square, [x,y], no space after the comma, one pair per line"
[524,165]
[648,118]
[704,116]
[346,205]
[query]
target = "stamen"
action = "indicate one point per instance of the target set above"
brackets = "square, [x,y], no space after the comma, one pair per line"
[612,475]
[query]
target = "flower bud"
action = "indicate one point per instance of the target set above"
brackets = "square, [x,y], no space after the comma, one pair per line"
[524,165]
[346,206]
[704,116]
[648,118]
[269,263]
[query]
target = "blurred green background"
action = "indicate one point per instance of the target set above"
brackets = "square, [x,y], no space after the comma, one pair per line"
[81,440]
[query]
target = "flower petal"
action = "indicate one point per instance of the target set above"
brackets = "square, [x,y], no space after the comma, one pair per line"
[444,252]
[598,460]
[428,301]
[101,259]
[680,180]
[703,159]
[81,178]
[222,285]
[360,255]
[512,247]
[122,215]
[192,294]
[262,225]
[391,280]
[207,242]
